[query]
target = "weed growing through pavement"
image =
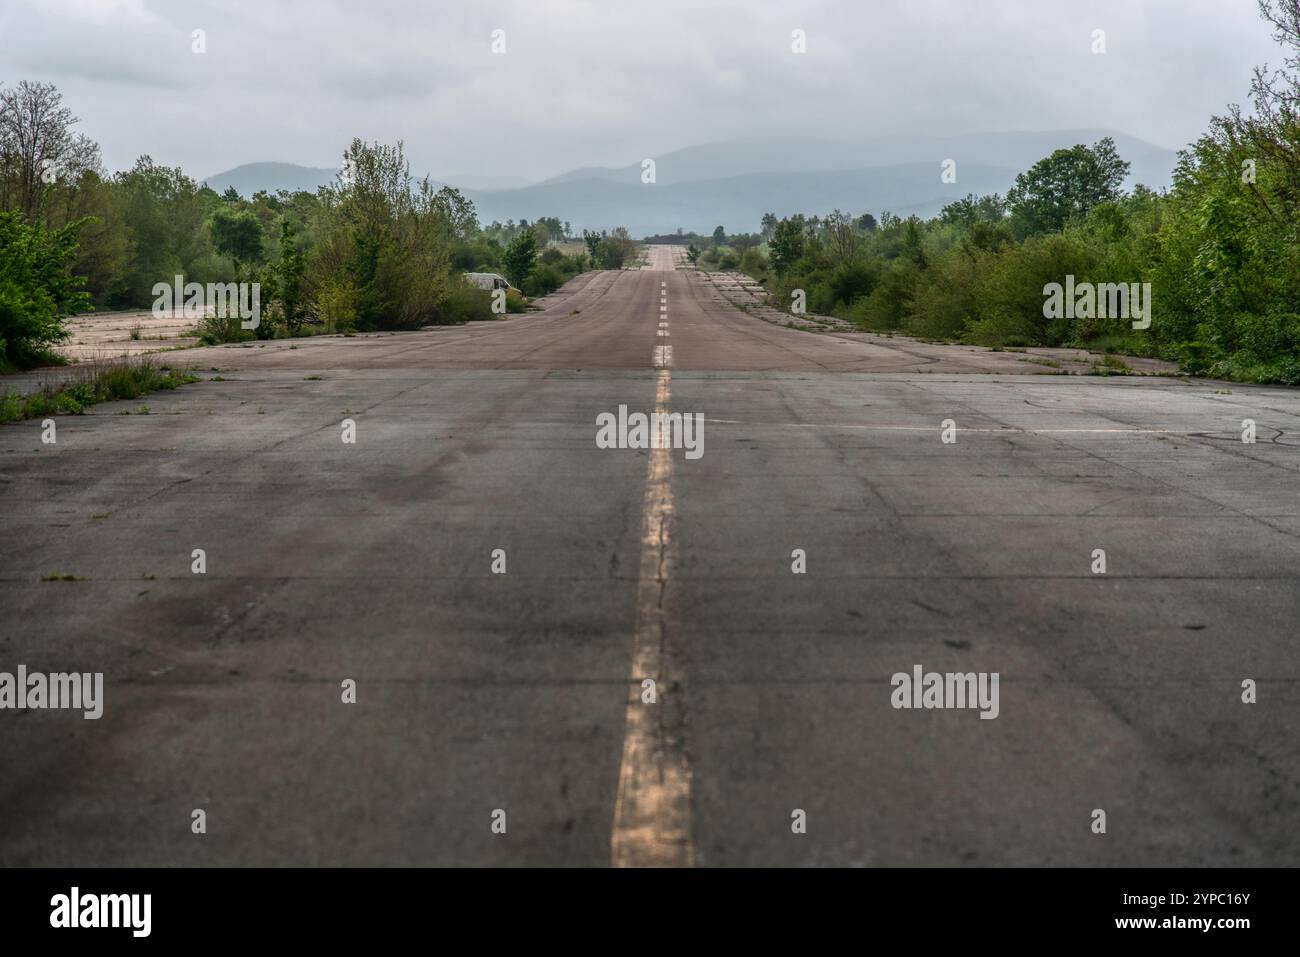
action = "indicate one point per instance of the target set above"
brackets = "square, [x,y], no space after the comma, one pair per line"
[88,384]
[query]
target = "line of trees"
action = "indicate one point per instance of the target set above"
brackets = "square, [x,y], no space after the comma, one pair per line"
[377,249]
[1221,249]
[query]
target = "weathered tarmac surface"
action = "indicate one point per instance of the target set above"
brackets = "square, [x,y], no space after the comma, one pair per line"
[479,691]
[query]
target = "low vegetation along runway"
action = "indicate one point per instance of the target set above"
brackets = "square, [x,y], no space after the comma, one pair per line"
[525,693]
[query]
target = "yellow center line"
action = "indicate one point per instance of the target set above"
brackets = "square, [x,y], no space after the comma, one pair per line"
[652,811]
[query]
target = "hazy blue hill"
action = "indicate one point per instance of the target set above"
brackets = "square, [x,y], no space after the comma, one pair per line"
[733,184]
[251,177]
[1018,151]
[738,202]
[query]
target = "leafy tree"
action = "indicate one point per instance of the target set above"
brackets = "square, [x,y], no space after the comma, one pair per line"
[104,246]
[459,212]
[288,279]
[163,212]
[912,248]
[1063,187]
[550,229]
[975,209]
[719,236]
[593,241]
[787,245]
[37,145]
[841,236]
[519,257]
[237,235]
[390,237]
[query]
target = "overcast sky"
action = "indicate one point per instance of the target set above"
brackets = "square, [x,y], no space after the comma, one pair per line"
[607,82]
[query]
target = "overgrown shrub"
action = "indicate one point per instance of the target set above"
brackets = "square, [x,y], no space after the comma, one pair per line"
[37,289]
[465,304]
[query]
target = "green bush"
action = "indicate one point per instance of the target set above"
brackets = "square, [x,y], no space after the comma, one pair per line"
[890,304]
[1009,291]
[37,289]
[465,304]
[515,302]
[754,263]
[851,280]
[945,302]
[544,278]
[215,330]
[336,305]
[1263,338]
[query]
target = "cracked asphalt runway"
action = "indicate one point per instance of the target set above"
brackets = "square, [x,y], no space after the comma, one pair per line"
[479,692]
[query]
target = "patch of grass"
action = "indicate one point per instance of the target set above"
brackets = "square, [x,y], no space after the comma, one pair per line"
[62,577]
[1110,365]
[92,383]
[1123,344]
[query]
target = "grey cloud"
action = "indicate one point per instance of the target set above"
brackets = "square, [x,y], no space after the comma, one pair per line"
[588,83]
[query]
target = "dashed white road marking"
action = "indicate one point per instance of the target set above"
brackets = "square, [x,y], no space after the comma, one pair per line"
[935,428]
[663,357]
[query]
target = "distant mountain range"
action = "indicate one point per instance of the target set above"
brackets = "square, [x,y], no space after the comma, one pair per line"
[734,184]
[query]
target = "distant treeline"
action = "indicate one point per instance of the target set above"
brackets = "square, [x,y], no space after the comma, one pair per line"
[375,250]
